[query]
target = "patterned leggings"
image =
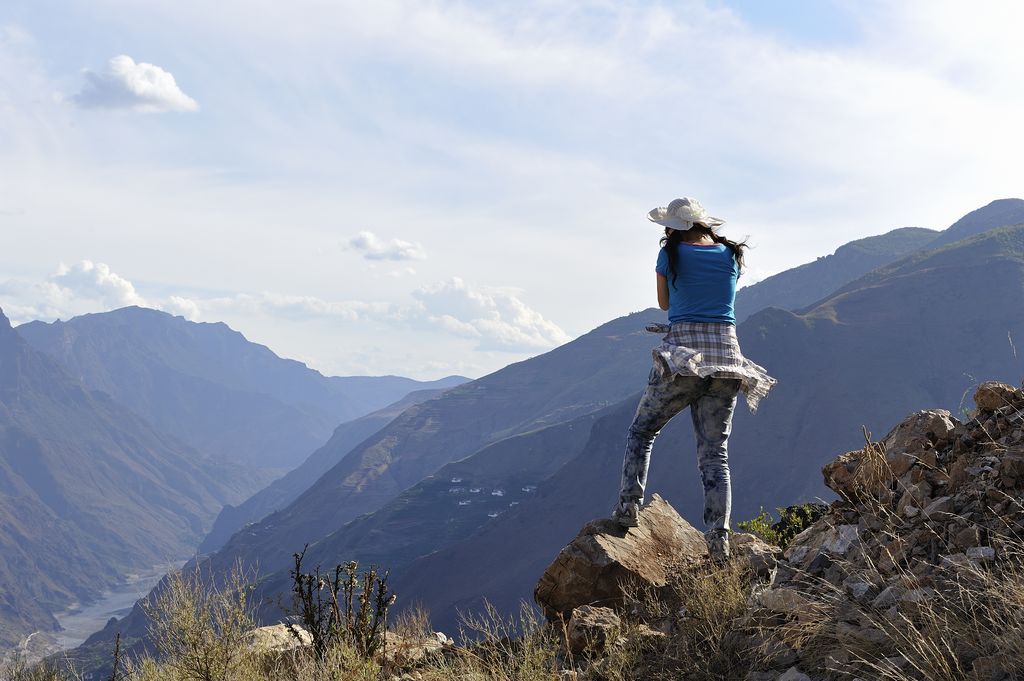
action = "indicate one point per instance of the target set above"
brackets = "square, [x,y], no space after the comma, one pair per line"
[712,402]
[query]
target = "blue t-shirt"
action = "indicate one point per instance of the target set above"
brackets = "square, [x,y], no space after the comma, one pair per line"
[705,285]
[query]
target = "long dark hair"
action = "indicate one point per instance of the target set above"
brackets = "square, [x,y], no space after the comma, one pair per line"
[671,241]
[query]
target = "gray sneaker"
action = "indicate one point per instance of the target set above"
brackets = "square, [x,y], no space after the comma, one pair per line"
[627,514]
[718,546]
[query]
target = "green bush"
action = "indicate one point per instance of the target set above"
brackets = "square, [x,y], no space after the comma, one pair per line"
[792,521]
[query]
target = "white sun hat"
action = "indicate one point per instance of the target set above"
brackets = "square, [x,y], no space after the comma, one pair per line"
[683,214]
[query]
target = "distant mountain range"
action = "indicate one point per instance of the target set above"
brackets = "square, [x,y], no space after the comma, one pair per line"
[578,378]
[94,488]
[801,286]
[283,491]
[211,387]
[88,490]
[916,331]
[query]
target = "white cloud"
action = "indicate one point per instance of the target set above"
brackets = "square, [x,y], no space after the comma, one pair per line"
[83,287]
[186,307]
[499,319]
[96,281]
[374,248]
[496,319]
[133,86]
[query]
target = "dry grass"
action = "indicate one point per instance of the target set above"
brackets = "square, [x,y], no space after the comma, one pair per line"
[19,670]
[199,629]
[497,647]
[969,618]
[964,624]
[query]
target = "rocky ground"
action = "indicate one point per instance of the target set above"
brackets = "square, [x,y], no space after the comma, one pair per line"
[917,572]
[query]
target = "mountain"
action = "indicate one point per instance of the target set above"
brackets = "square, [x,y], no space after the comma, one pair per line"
[573,381]
[919,333]
[283,491]
[999,213]
[449,505]
[391,489]
[578,378]
[211,387]
[801,286]
[796,288]
[88,491]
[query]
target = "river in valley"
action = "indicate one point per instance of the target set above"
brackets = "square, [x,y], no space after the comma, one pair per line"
[79,623]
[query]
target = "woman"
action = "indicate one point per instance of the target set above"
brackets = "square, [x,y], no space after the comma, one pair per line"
[698,365]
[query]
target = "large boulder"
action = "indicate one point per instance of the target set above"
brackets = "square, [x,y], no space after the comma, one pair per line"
[604,558]
[993,395]
[277,638]
[870,472]
[605,562]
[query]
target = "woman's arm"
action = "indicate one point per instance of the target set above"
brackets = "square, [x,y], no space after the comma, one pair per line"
[662,292]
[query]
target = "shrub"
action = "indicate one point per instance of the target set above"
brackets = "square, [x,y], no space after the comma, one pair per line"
[199,628]
[346,608]
[19,670]
[792,521]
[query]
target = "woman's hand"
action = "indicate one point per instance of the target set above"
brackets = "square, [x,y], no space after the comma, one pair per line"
[662,291]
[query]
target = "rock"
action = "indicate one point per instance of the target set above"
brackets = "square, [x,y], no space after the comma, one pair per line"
[914,496]
[857,588]
[1011,464]
[407,650]
[888,597]
[968,537]
[981,554]
[761,676]
[992,395]
[838,540]
[919,432]
[788,601]
[854,635]
[938,507]
[892,554]
[859,474]
[759,555]
[603,557]
[989,667]
[896,662]
[591,628]
[777,654]
[794,674]
[916,600]
[852,476]
[277,638]
[920,595]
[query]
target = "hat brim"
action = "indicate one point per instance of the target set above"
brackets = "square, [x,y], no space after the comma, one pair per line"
[677,223]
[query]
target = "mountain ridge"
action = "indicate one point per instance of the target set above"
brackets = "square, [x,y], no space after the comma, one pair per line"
[85,482]
[282,492]
[211,386]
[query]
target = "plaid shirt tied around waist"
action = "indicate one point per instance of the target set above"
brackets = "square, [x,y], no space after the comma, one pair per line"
[708,349]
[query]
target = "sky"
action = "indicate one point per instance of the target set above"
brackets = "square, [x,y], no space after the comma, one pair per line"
[432,188]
